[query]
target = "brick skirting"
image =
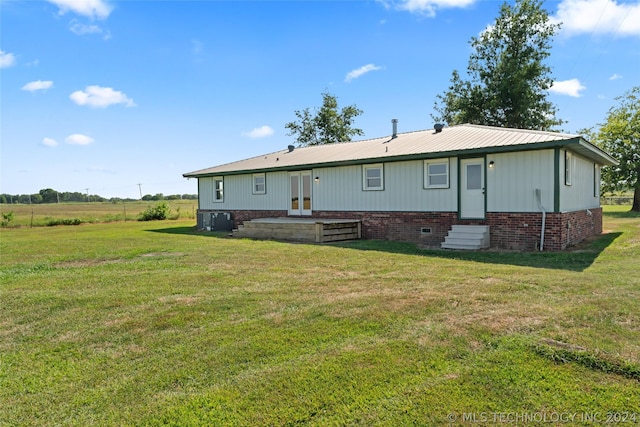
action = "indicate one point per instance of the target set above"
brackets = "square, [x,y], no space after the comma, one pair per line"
[517,231]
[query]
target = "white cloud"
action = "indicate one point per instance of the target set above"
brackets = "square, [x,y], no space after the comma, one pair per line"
[93,9]
[100,97]
[7,59]
[354,74]
[81,29]
[615,76]
[261,132]
[38,85]
[568,87]
[78,139]
[429,7]
[598,17]
[49,142]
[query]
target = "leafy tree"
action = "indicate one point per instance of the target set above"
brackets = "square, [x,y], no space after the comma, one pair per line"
[326,125]
[508,79]
[620,137]
[49,195]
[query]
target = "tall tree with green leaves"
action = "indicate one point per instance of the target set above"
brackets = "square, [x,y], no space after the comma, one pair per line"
[325,125]
[508,79]
[620,137]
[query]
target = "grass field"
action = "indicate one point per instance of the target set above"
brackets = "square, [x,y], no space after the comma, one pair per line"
[46,213]
[152,323]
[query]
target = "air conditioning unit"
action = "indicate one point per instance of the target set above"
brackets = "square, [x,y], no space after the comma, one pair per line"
[221,221]
[201,221]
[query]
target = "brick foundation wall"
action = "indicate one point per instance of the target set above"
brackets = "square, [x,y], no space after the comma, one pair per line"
[578,225]
[400,226]
[516,231]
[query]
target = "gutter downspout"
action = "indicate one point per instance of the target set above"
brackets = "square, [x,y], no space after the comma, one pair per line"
[544,217]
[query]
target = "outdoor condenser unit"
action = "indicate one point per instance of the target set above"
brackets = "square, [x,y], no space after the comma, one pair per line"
[201,222]
[221,221]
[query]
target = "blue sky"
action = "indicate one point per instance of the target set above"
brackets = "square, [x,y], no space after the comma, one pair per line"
[107,95]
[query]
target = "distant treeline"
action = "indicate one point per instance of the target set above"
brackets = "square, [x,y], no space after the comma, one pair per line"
[52,196]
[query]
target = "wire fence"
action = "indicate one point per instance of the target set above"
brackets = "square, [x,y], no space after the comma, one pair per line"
[616,200]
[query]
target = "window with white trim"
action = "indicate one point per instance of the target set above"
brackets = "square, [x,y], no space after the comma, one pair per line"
[259,183]
[568,167]
[218,189]
[436,173]
[373,177]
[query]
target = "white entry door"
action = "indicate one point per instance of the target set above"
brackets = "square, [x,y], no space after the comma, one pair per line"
[300,190]
[472,189]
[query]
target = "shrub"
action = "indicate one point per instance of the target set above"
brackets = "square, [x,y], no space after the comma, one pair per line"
[64,221]
[158,212]
[7,217]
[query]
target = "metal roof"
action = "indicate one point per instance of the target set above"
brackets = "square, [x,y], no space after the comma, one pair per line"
[451,141]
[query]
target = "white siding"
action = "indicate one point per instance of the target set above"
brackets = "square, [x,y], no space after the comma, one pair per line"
[238,193]
[512,182]
[510,187]
[205,193]
[340,189]
[579,195]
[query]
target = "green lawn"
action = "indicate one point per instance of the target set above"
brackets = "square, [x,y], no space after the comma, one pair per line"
[147,323]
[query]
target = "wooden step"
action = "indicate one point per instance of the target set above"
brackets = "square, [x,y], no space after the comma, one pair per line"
[305,230]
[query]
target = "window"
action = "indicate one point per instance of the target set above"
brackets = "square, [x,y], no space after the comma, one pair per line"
[568,167]
[373,177]
[259,183]
[436,174]
[218,190]
[474,177]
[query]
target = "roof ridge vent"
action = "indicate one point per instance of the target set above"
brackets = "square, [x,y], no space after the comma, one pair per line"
[438,127]
[291,148]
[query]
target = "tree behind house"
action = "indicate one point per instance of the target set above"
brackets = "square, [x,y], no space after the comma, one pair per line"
[326,125]
[620,137]
[508,78]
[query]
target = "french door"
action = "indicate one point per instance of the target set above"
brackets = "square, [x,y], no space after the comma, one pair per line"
[300,191]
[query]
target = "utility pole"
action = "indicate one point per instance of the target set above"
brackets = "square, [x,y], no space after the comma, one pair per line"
[87,194]
[140,188]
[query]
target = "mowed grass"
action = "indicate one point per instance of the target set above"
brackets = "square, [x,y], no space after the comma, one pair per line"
[156,324]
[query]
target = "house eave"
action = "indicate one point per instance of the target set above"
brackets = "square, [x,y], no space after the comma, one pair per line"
[576,144]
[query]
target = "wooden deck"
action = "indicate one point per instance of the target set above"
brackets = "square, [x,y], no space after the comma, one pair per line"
[318,230]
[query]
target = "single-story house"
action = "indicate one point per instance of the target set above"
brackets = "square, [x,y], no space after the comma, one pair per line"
[531,190]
